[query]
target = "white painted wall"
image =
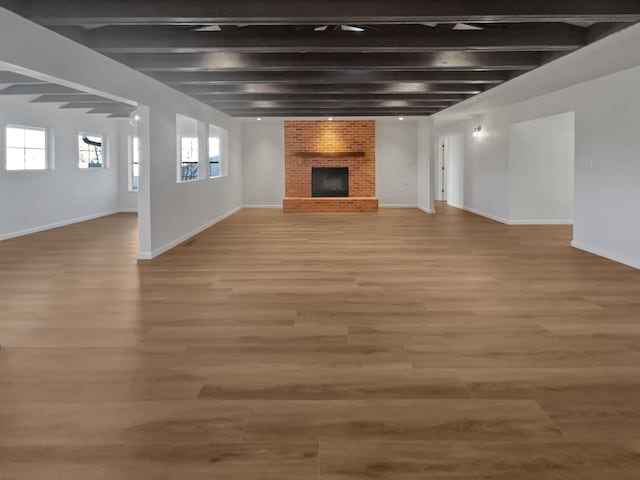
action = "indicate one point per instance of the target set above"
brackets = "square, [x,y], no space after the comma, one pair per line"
[441,168]
[396,162]
[541,160]
[607,197]
[455,164]
[168,212]
[425,171]
[263,163]
[479,167]
[607,144]
[128,201]
[36,200]
[181,210]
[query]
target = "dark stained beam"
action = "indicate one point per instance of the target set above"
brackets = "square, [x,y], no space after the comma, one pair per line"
[601,30]
[331,113]
[315,89]
[335,77]
[449,60]
[188,12]
[392,38]
[335,97]
[310,105]
[335,107]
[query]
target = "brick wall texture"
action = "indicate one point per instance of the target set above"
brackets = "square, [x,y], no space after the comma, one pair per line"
[330,136]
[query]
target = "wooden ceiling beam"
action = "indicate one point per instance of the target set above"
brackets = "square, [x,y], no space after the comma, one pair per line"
[323,89]
[331,113]
[342,97]
[388,38]
[447,60]
[345,76]
[195,12]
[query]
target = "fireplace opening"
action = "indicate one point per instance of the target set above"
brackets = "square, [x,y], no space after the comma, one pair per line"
[330,182]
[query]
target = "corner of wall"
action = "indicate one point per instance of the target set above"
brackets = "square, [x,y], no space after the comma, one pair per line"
[634,263]
[183,238]
[425,198]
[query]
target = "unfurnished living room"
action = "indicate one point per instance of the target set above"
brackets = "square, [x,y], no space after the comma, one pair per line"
[338,240]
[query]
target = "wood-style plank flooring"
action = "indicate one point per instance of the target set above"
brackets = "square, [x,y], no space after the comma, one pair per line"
[383,346]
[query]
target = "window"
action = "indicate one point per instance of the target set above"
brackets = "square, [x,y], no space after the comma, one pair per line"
[134,163]
[26,148]
[188,158]
[188,148]
[214,156]
[217,151]
[91,148]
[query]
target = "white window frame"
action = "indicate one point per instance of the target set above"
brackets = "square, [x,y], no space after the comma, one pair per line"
[46,148]
[181,162]
[104,150]
[133,139]
[223,153]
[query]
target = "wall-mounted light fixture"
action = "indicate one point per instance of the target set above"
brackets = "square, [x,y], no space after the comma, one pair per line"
[134,118]
[477,131]
[259,119]
[330,118]
[400,118]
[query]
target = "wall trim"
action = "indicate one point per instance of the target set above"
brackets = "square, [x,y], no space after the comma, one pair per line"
[398,205]
[183,238]
[486,215]
[64,223]
[540,222]
[426,210]
[263,206]
[606,254]
[516,222]
[128,210]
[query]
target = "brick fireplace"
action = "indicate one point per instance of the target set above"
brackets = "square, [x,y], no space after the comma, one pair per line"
[326,144]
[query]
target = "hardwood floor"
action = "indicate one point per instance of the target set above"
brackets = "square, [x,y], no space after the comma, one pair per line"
[395,345]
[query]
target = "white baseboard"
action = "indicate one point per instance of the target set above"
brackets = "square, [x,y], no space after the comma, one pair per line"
[128,210]
[398,205]
[517,222]
[159,251]
[487,215]
[51,226]
[426,210]
[540,222]
[263,206]
[605,254]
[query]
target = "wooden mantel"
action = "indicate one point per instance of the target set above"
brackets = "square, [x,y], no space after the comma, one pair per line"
[330,154]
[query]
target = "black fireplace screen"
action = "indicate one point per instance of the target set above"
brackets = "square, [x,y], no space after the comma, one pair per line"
[330,182]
